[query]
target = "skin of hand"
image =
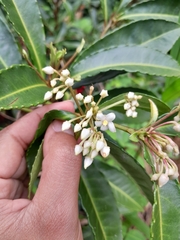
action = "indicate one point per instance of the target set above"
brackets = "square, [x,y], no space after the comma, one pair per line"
[53,212]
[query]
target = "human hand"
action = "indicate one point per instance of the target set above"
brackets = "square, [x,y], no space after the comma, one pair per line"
[53,212]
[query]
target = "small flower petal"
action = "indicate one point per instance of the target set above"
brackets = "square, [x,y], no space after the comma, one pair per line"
[163,179]
[98,123]
[100,116]
[88,99]
[87,162]
[110,117]
[111,127]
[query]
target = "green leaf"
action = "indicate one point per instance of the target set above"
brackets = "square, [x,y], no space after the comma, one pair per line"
[87,233]
[134,234]
[158,9]
[20,87]
[99,204]
[36,168]
[132,167]
[137,222]
[9,53]
[125,190]
[143,103]
[26,20]
[43,125]
[156,34]
[166,212]
[107,7]
[172,92]
[128,58]
[175,52]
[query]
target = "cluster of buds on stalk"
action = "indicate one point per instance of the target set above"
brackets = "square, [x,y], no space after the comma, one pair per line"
[160,147]
[59,84]
[131,104]
[89,122]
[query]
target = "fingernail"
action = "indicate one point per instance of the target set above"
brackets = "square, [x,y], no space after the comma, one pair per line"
[57,127]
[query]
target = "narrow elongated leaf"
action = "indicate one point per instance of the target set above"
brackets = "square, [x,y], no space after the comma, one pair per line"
[156,34]
[166,212]
[43,125]
[20,87]
[100,205]
[132,167]
[134,234]
[25,17]
[158,9]
[126,192]
[175,52]
[36,168]
[128,58]
[9,53]
[107,7]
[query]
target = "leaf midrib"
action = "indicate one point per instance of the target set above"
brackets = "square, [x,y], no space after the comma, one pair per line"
[96,212]
[27,33]
[125,194]
[149,14]
[21,90]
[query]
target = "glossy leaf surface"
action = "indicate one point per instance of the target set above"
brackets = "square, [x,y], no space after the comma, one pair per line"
[158,9]
[125,190]
[9,53]
[20,87]
[26,20]
[166,212]
[99,203]
[131,59]
[132,167]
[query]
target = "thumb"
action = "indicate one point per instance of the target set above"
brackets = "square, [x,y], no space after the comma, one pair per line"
[60,171]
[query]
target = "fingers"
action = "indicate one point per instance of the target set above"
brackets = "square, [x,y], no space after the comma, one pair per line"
[15,138]
[60,174]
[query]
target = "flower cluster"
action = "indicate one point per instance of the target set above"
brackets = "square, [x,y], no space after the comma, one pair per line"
[131,104]
[59,84]
[160,147]
[92,140]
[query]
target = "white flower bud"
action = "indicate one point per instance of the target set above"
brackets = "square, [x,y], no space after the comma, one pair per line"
[66,125]
[86,132]
[87,162]
[85,151]
[104,93]
[134,103]
[89,113]
[48,70]
[69,82]
[94,153]
[87,144]
[88,99]
[77,127]
[105,151]
[127,106]
[59,95]
[134,114]
[78,149]
[84,124]
[48,95]
[79,96]
[53,83]
[130,95]
[163,179]
[176,118]
[171,171]
[99,145]
[176,127]
[129,113]
[55,90]
[65,73]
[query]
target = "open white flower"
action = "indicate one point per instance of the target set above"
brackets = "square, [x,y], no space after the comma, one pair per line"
[104,93]
[105,121]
